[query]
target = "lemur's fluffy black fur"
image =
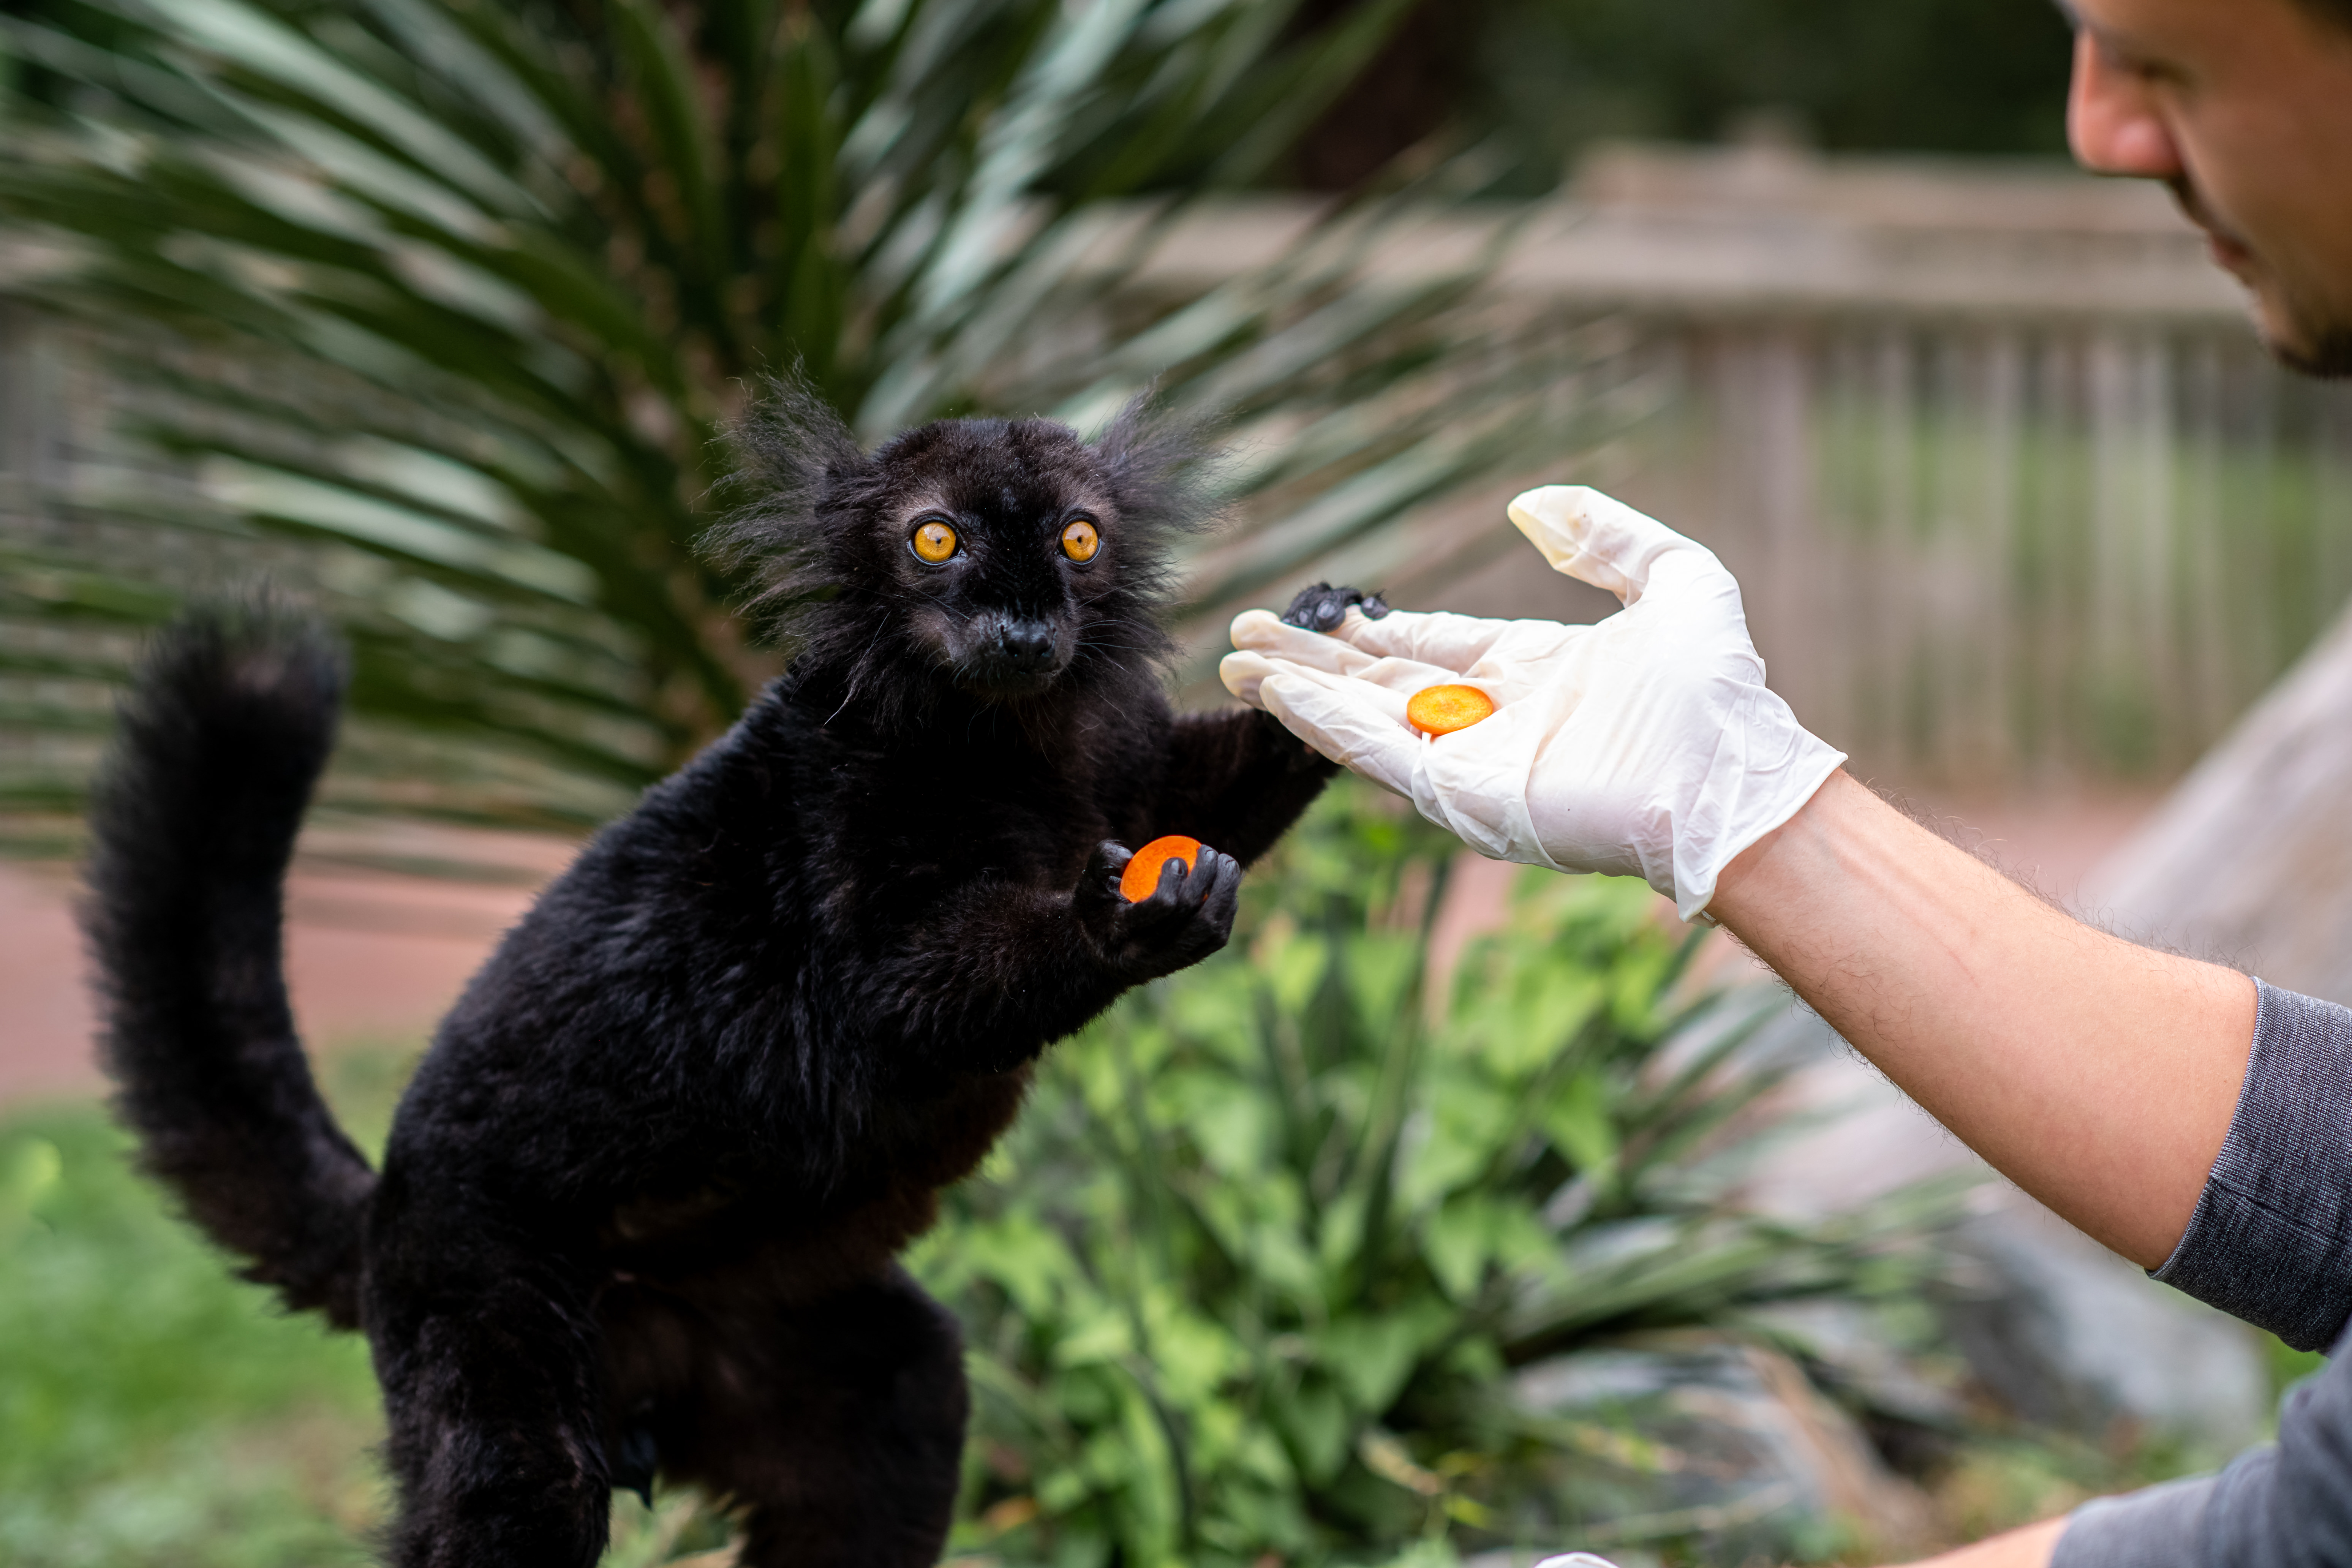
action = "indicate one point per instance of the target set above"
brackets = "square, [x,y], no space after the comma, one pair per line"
[641,1204]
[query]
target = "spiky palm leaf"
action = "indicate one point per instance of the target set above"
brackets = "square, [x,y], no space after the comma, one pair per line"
[439,308]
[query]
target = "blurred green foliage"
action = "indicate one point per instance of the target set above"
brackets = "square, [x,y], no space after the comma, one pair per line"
[435,310]
[154,1411]
[438,310]
[1943,76]
[1538,82]
[1250,1275]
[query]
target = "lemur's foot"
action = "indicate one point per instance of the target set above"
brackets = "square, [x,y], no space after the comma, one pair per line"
[1322,608]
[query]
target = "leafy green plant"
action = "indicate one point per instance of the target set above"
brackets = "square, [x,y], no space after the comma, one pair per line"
[1249,1273]
[437,309]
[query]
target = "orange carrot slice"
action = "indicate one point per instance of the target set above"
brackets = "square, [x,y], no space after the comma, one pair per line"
[1141,878]
[1442,709]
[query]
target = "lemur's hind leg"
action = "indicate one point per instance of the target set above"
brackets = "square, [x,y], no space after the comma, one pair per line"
[837,1427]
[494,1394]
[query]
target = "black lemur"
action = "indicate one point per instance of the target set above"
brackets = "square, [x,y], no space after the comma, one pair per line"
[640,1206]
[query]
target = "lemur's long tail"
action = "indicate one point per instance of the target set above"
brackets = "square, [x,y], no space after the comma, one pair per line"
[222,733]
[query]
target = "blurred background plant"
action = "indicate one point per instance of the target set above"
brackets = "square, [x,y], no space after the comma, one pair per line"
[439,308]
[435,309]
[1542,81]
[1253,1275]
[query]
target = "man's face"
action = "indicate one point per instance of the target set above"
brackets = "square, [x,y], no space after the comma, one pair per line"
[2244,108]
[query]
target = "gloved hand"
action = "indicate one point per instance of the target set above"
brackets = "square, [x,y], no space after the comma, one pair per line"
[1647,744]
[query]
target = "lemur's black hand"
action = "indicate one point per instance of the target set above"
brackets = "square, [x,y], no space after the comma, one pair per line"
[1322,608]
[1187,917]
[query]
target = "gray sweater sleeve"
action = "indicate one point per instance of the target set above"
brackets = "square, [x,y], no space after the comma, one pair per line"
[2285,1507]
[2271,1241]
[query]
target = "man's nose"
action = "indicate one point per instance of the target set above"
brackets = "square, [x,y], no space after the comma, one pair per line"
[2113,122]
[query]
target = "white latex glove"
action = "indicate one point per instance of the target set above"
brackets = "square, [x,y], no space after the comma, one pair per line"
[1647,744]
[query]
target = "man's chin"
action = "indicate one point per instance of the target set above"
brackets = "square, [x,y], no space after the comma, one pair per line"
[2305,341]
[2327,355]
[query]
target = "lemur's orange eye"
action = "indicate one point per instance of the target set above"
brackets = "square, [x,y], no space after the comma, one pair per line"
[934,541]
[1079,542]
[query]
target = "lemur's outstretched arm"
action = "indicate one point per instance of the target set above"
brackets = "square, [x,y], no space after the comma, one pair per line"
[1238,779]
[1235,781]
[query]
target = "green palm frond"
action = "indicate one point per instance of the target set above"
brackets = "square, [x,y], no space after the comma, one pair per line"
[438,310]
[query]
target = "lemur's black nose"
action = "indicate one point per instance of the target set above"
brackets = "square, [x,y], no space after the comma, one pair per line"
[1029,645]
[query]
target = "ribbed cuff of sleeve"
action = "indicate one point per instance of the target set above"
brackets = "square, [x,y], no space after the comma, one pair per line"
[2159,1528]
[2271,1240]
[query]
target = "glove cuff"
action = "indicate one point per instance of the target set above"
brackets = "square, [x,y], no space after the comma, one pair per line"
[1746,796]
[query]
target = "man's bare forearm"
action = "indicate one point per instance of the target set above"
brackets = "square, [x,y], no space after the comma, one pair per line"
[2028,1548]
[2098,1076]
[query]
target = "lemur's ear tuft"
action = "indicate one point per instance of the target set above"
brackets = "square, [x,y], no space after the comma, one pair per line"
[793,453]
[1163,465]
[1163,469]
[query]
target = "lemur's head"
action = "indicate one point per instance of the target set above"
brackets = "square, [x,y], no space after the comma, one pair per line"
[999,559]
[998,538]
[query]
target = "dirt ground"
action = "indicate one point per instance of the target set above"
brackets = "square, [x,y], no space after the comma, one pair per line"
[376,957]
[372,957]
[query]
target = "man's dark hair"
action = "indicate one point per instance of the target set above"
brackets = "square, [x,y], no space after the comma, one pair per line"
[2336,11]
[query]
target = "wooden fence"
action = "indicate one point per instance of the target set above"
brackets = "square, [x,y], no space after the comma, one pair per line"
[2013,491]
[1978,552]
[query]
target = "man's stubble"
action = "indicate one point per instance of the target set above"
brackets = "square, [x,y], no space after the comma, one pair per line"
[2307,336]
[2318,348]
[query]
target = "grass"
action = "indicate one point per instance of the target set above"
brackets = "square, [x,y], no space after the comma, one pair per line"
[153,1409]
[156,1410]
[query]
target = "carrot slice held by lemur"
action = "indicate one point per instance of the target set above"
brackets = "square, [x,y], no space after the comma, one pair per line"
[1142,874]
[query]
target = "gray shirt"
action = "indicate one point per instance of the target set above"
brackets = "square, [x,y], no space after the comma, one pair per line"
[2271,1242]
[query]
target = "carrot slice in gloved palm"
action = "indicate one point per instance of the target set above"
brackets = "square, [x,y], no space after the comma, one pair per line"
[1442,709]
